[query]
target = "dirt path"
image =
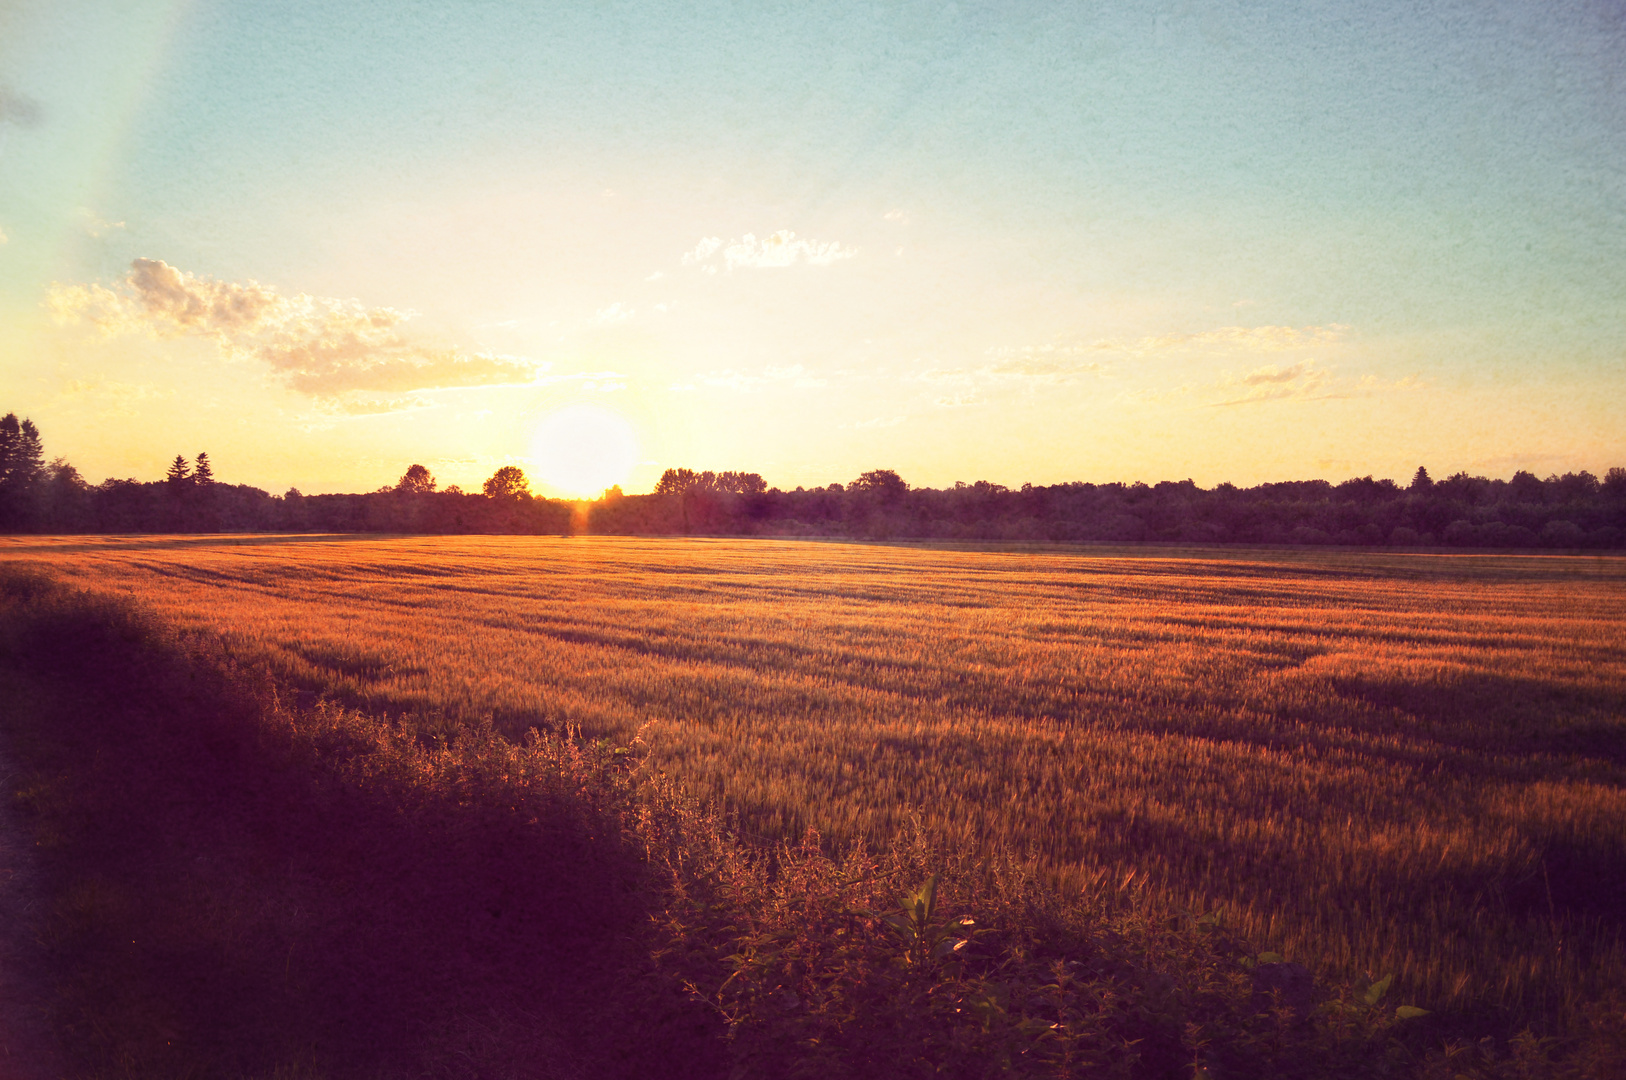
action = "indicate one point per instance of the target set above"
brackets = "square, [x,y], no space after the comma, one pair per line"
[27,1050]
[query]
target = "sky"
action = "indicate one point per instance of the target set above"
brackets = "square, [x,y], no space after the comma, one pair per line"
[1004,242]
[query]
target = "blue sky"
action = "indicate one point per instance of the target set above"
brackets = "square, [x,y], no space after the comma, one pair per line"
[1126,241]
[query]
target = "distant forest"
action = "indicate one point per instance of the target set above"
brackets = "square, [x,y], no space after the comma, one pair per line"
[1576,510]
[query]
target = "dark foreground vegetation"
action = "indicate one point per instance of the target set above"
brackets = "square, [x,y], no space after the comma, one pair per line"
[242,883]
[1573,511]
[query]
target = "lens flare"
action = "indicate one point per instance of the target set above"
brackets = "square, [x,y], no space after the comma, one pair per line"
[581,449]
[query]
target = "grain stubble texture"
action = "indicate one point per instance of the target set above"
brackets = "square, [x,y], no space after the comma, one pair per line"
[1372,762]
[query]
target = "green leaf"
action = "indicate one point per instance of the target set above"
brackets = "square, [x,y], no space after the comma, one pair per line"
[1375,992]
[1408,1012]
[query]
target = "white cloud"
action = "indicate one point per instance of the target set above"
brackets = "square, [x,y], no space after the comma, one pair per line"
[779,250]
[702,251]
[324,347]
[656,276]
[616,312]
[900,216]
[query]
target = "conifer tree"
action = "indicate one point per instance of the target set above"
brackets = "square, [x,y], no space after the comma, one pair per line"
[22,457]
[203,474]
[180,473]
[28,461]
[10,432]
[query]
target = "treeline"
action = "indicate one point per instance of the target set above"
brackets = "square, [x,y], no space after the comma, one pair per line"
[1576,510]
[55,498]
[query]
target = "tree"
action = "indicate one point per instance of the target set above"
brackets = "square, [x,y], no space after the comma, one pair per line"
[203,474]
[508,482]
[1420,480]
[676,481]
[416,481]
[179,474]
[884,483]
[22,457]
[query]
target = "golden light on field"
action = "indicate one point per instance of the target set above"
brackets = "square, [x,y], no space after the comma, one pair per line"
[583,449]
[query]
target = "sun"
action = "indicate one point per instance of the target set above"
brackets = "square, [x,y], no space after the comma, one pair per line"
[582,449]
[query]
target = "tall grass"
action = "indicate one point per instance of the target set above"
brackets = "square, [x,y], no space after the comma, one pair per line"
[1371,762]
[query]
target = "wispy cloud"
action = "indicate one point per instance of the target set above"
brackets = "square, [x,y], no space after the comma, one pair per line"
[94,224]
[616,312]
[1252,339]
[778,250]
[324,347]
[1301,381]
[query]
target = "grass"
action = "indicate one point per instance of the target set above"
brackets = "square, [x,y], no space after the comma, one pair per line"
[1370,763]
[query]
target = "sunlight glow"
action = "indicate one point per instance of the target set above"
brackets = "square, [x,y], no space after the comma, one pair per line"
[582,449]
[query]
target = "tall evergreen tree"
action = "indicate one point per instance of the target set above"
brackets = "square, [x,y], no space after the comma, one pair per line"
[22,456]
[10,432]
[180,473]
[28,461]
[203,474]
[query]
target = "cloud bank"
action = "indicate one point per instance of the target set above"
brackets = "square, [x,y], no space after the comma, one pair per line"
[331,349]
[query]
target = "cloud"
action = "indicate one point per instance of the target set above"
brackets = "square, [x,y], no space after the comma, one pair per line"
[94,224]
[320,346]
[19,109]
[881,422]
[616,312]
[1042,363]
[1267,375]
[702,251]
[1009,369]
[1302,381]
[776,251]
[1245,339]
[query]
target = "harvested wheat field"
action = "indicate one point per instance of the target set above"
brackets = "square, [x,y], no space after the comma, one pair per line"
[1369,762]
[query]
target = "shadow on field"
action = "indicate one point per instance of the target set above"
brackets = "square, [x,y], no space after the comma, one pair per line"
[213,908]
[1492,713]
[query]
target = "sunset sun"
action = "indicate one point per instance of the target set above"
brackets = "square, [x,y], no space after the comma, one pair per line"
[582,449]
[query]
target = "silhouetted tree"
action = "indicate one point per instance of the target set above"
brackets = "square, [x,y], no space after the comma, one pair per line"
[22,457]
[508,482]
[885,484]
[416,481]
[1420,480]
[676,481]
[203,473]
[179,474]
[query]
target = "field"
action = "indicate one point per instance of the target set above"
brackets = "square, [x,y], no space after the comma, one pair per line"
[1368,762]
